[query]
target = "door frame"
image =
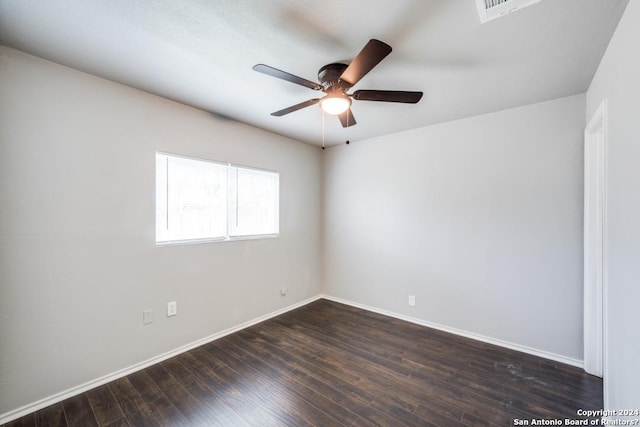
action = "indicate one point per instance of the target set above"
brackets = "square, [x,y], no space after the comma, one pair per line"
[595,245]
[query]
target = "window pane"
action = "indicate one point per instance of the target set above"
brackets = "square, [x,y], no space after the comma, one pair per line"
[253,203]
[203,200]
[191,199]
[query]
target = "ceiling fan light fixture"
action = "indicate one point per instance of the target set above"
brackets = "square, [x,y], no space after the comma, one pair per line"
[335,104]
[337,78]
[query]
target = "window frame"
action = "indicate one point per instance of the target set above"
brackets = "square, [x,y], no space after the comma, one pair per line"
[227,237]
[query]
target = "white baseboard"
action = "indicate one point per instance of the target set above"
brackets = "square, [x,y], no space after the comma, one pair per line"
[544,354]
[74,391]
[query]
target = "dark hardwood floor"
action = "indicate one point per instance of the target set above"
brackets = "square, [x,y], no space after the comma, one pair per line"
[327,364]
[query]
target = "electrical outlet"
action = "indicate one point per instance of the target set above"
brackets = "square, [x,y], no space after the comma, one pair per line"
[172,308]
[147,317]
[412,300]
[283,291]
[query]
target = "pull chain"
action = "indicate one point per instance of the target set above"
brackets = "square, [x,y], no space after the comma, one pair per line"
[348,125]
[323,129]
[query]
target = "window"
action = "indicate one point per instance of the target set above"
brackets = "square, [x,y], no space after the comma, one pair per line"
[253,202]
[200,200]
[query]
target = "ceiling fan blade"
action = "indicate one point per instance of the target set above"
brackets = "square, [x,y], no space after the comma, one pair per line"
[274,72]
[388,96]
[347,119]
[296,107]
[372,53]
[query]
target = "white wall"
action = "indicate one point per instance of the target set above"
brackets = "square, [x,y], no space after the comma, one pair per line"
[618,81]
[78,261]
[480,219]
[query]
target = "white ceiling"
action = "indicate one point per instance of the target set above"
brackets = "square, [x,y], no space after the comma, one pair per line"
[200,52]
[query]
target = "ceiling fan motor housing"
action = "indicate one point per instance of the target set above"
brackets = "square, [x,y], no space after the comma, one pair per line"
[329,77]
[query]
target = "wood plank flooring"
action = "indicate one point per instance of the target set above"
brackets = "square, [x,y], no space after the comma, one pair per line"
[327,364]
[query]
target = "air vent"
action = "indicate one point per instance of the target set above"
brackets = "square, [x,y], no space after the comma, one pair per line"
[492,9]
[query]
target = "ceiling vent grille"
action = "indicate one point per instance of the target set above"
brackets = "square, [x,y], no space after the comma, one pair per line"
[492,9]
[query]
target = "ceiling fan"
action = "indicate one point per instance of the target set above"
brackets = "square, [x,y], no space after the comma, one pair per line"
[337,78]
